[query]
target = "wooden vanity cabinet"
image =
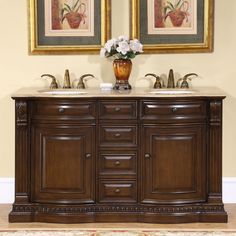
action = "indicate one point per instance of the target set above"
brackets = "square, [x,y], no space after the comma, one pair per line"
[119,159]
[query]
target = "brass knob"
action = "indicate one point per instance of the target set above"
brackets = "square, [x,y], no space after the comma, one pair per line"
[117,190]
[117,163]
[174,109]
[88,155]
[61,110]
[117,109]
[117,135]
[147,156]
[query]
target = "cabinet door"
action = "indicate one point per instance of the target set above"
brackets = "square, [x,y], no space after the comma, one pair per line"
[63,163]
[173,164]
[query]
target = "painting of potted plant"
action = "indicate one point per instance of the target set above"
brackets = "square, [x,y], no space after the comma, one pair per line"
[75,14]
[177,12]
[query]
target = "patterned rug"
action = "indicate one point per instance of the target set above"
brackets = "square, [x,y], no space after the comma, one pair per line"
[115,233]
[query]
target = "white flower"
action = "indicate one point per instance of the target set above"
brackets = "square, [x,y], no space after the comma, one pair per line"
[123,47]
[109,44]
[136,46]
[103,52]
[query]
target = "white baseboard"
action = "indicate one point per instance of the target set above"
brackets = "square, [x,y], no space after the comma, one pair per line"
[7,190]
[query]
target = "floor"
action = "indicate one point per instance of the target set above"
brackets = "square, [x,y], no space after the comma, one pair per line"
[230,226]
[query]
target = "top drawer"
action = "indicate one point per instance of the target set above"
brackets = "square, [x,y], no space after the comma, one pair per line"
[63,110]
[172,110]
[118,110]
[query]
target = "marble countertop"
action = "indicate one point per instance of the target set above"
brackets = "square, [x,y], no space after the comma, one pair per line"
[137,92]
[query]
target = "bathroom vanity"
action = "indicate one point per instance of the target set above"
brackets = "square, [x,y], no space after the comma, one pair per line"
[130,156]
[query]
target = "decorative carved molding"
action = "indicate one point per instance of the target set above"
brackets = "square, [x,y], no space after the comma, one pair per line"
[21,113]
[134,209]
[215,112]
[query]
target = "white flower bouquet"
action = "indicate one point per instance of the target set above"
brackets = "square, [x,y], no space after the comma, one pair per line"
[121,48]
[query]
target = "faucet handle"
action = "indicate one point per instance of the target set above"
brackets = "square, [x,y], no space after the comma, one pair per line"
[81,84]
[54,84]
[185,79]
[157,84]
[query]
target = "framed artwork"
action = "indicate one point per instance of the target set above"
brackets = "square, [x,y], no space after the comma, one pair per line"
[68,26]
[173,26]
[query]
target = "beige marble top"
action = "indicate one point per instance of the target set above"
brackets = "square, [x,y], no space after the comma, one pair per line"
[137,92]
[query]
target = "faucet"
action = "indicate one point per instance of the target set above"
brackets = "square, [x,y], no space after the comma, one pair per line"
[171,80]
[81,84]
[157,84]
[185,84]
[54,84]
[66,83]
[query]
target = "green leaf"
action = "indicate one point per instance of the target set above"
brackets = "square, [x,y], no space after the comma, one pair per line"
[75,5]
[68,7]
[170,5]
[167,8]
[177,5]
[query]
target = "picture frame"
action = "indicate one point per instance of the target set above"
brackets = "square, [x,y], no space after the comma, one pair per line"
[68,26]
[155,23]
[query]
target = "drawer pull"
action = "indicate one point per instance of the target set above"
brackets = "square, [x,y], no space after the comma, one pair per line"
[61,110]
[117,109]
[147,156]
[88,155]
[174,109]
[117,135]
[117,190]
[117,163]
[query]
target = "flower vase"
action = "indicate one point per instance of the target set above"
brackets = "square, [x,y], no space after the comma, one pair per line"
[122,69]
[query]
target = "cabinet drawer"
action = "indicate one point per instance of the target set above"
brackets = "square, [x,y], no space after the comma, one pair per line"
[117,191]
[118,110]
[165,110]
[118,136]
[117,162]
[81,110]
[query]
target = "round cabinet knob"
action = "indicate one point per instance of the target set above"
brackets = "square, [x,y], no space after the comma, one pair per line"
[174,109]
[117,190]
[117,163]
[117,135]
[61,110]
[88,155]
[117,109]
[147,156]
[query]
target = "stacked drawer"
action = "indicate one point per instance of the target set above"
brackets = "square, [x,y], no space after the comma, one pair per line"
[118,140]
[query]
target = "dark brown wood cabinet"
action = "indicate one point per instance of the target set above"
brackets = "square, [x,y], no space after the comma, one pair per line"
[118,159]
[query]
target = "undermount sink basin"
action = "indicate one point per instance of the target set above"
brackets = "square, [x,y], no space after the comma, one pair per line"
[62,92]
[172,91]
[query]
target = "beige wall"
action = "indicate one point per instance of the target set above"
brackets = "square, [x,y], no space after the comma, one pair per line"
[18,69]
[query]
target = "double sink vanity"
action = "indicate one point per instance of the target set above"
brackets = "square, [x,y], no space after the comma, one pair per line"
[118,156]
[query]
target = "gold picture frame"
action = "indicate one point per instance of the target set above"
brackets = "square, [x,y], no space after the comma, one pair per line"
[42,42]
[200,41]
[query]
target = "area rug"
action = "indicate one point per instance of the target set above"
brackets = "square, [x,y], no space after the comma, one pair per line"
[115,233]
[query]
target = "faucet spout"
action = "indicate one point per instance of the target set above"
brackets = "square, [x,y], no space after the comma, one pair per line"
[171,80]
[66,83]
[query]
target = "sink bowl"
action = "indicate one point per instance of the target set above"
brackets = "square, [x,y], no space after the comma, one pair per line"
[172,91]
[62,92]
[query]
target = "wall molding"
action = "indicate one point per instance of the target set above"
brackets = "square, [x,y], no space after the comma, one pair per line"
[7,190]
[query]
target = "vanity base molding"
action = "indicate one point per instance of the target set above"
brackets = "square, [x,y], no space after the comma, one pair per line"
[122,213]
[118,159]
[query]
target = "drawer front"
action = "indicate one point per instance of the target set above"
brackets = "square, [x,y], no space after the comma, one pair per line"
[119,162]
[82,110]
[118,110]
[165,110]
[118,136]
[117,191]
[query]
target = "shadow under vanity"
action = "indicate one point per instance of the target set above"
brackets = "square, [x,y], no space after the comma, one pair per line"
[118,156]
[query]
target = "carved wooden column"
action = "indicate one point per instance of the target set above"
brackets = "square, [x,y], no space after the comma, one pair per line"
[215,152]
[22,153]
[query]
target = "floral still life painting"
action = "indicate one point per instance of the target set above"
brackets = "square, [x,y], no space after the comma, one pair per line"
[172,17]
[69,17]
